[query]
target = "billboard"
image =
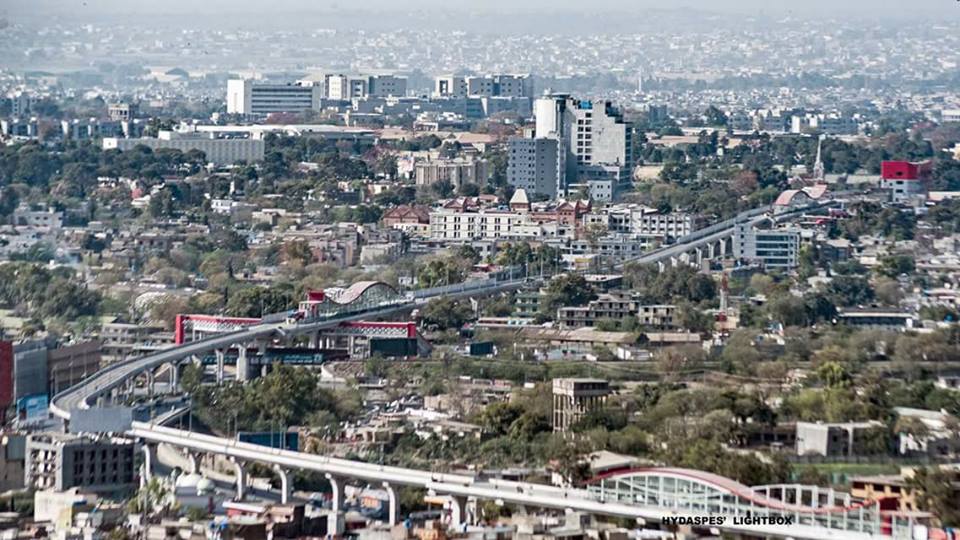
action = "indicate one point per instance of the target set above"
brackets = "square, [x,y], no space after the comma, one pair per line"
[33,408]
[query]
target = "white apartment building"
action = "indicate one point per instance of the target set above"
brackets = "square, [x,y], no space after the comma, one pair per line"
[248,97]
[645,221]
[486,224]
[774,248]
[649,222]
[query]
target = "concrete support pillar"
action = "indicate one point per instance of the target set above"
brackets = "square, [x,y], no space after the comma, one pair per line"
[286,486]
[151,381]
[243,365]
[335,522]
[241,478]
[194,460]
[221,361]
[315,340]
[699,256]
[174,379]
[149,460]
[458,513]
[393,511]
[660,266]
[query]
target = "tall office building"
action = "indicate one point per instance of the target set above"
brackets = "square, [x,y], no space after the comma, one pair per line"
[248,97]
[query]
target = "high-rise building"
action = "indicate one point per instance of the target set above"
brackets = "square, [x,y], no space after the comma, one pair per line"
[536,166]
[248,97]
[596,145]
[573,399]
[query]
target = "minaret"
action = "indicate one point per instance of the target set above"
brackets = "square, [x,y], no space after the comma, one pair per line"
[818,172]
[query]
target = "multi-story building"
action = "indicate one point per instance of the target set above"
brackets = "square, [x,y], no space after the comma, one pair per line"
[450,86]
[673,225]
[607,306]
[612,247]
[837,439]
[60,461]
[22,104]
[220,151]
[386,86]
[899,487]
[498,85]
[774,248]
[120,341]
[20,128]
[12,457]
[503,85]
[657,315]
[91,128]
[458,222]
[827,123]
[905,180]
[122,112]
[413,219]
[67,366]
[596,142]
[345,87]
[49,218]
[457,171]
[575,398]
[248,97]
[536,165]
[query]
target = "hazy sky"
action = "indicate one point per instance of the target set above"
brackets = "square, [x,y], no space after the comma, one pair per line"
[209,9]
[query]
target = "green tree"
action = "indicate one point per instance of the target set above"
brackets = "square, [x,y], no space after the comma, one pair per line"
[936,494]
[445,313]
[566,290]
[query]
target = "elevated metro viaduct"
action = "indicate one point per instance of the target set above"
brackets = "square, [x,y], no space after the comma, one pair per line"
[649,495]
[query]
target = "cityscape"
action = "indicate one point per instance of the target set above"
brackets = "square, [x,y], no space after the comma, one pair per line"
[534,270]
